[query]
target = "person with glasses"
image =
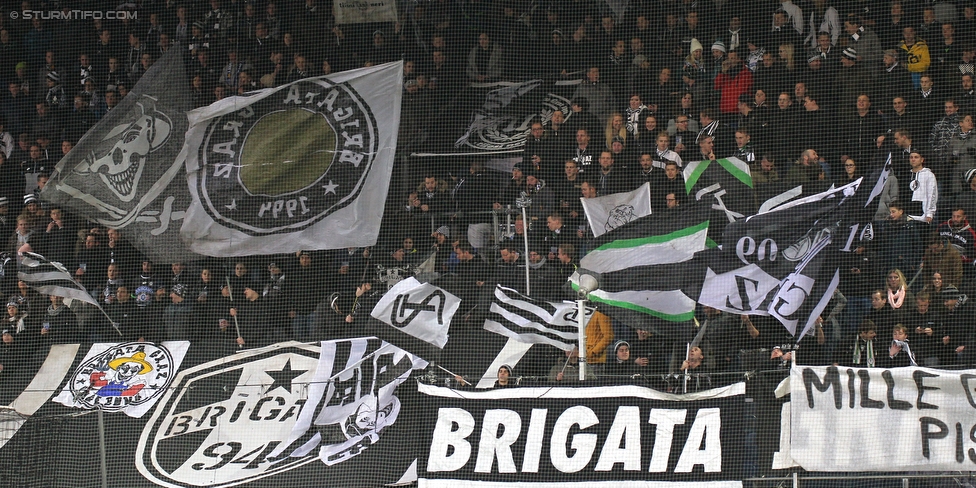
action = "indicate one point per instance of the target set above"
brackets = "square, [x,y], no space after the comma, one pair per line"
[682,134]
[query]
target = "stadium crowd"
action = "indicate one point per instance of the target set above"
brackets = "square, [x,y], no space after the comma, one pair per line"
[814,92]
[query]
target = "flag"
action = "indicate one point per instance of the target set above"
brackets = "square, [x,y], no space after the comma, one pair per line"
[123,377]
[780,262]
[421,310]
[22,398]
[351,399]
[302,166]
[611,211]
[358,12]
[532,321]
[500,116]
[648,267]
[51,278]
[725,185]
[126,173]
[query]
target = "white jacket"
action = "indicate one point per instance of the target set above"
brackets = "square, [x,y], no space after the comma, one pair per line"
[925,190]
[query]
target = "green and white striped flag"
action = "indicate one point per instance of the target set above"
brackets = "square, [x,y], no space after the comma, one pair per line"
[648,271]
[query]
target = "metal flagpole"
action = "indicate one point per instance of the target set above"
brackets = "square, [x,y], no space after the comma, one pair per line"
[525,235]
[581,314]
[103,463]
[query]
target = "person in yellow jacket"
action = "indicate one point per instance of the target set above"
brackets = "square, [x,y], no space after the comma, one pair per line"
[917,54]
[599,335]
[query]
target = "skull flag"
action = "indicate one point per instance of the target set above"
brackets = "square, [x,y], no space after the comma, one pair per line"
[120,173]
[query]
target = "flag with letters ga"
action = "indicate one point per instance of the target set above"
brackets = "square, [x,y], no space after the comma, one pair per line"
[616,209]
[127,172]
[421,310]
[306,165]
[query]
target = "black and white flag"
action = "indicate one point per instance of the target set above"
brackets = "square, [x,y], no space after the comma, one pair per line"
[51,278]
[532,321]
[421,310]
[306,165]
[126,173]
[351,399]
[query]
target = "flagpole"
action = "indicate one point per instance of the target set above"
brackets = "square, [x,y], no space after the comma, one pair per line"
[581,313]
[230,294]
[525,236]
[687,355]
[456,376]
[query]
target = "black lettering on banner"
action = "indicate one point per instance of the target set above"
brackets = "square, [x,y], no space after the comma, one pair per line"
[965,378]
[960,456]
[402,304]
[866,401]
[919,377]
[831,379]
[927,435]
[892,403]
[851,389]
[972,438]
[744,302]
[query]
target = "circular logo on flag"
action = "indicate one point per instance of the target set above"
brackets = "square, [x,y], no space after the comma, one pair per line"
[288,160]
[122,376]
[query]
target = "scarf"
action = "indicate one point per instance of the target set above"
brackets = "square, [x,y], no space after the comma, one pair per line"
[896,300]
[869,350]
[633,119]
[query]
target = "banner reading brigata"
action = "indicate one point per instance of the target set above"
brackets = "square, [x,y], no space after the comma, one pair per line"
[553,436]
[844,419]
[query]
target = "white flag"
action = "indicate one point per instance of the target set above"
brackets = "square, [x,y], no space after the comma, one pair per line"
[611,211]
[128,377]
[303,166]
[419,309]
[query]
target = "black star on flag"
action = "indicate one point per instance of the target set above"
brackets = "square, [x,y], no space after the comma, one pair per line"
[284,377]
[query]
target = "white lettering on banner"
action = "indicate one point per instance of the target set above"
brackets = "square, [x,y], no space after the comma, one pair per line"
[838,412]
[626,427]
[447,438]
[747,247]
[492,447]
[570,453]
[718,193]
[583,444]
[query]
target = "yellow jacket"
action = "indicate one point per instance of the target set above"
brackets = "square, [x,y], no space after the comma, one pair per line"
[599,335]
[918,56]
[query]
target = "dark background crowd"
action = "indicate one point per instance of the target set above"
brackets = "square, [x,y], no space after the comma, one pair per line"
[807,93]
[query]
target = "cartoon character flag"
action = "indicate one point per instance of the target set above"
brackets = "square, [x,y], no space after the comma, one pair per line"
[127,377]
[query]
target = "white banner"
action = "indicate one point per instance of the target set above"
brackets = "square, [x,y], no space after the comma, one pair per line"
[419,309]
[303,166]
[900,419]
[611,211]
[126,378]
[364,11]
